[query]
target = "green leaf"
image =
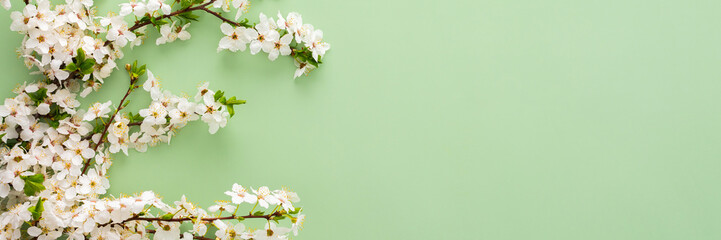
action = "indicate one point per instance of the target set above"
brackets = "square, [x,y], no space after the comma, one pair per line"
[11,143]
[302,57]
[81,56]
[231,110]
[312,61]
[37,210]
[258,213]
[167,216]
[125,104]
[239,218]
[189,16]
[87,66]
[185,4]
[158,22]
[296,211]
[71,67]
[39,95]
[33,184]
[218,95]
[141,71]
[144,19]
[233,101]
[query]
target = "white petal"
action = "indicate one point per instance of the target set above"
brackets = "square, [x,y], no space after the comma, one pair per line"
[226,28]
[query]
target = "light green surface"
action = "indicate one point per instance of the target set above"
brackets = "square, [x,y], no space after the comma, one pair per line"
[458,120]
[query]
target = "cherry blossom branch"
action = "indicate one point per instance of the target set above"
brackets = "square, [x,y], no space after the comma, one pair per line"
[110,121]
[267,217]
[158,219]
[181,11]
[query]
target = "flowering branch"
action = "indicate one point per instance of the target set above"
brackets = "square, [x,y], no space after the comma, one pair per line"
[132,87]
[140,24]
[185,219]
[55,154]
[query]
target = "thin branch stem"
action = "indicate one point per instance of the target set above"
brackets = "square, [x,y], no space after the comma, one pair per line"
[181,11]
[107,125]
[184,219]
[221,17]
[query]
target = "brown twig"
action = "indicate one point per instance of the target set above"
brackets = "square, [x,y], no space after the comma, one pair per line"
[181,11]
[107,125]
[157,219]
[221,17]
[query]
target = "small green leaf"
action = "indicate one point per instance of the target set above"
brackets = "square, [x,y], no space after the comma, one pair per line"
[11,143]
[33,184]
[87,66]
[231,110]
[167,216]
[240,218]
[185,4]
[302,57]
[141,71]
[233,101]
[312,61]
[39,95]
[258,213]
[71,67]
[81,56]
[189,16]
[218,95]
[37,210]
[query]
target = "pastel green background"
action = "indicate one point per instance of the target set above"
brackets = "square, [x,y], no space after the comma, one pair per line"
[457,119]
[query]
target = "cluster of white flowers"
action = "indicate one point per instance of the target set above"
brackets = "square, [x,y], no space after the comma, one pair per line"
[54,35]
[55,155]
[276,37]
[130,217]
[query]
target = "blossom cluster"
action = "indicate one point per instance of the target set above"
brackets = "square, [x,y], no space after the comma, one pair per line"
[54,35]
[276,38]
[48,145]
[132,217]
[55,155]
